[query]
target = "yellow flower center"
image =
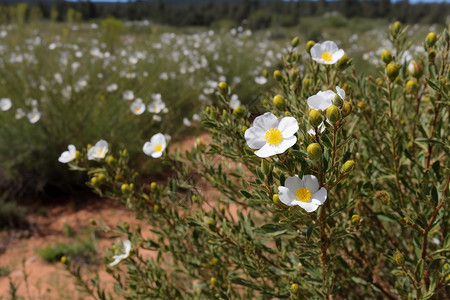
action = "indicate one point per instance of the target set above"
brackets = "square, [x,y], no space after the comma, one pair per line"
[326,56]
[273,136]
[303,194]
[158,148]
[99,152]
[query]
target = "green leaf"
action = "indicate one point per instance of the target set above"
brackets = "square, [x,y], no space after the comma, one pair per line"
[246,194]
[242,281]
[419,269]
[309,231]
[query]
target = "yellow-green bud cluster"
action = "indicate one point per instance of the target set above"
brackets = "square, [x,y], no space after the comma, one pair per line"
[238,111]
[355,220]
[343,63]
[277,75]
[309,45]
[314,151]
[278,101]
[411,86]
[223,88]
[431,39]
[392,71]
[295,41]
[333,114]
[395,28]
[386,56]
[348,166]
[315,118]
[294,287]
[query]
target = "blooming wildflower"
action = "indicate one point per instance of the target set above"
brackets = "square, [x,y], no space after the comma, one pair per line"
[19,114]
[234,101]
[137,107]
[5,104]
[260,80]
[157,118]
[157,106]
[155,146]
[117,258]
[98,151]
[69,155]
[196,118]
[34,116]
[128,95]
[303,192]
[340,92]
[326,53]
[321,100]
[112,87]
[271,136]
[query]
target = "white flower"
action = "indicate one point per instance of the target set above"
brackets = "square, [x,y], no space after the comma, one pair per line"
[117,258]
[187,122]
[157,106]
[5,104]
[112,87]
[321,100]
[19,114]
[326,53]
[234,101]
[340,92]
[69,155]
[271,136]
[155,146]
[303,192]
[34,116]
[137,107]
[260,80]
[196,118]
[128,95]
[98,151]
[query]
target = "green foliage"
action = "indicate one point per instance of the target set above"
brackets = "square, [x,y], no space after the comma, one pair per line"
[12,215]
[79,250]
[384,163]
[4,271]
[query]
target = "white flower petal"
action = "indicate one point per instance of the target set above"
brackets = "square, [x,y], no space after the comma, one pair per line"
[288,126]
[286,196]
[293,183]
[340,92]
[266,151]
[311,183]
[320,196]
[266,121]
[285,144]
[337,56]
[308,206]
[255,137]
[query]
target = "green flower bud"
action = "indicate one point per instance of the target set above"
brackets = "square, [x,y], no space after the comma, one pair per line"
[395,28]
[337,101]
[208,110]
[278,101]
[343,63]
[94,181]
[399,258]
[411,86]
[431,39]
[314,151]
[238,111]
[125,188]
[64,260]
[315,118]
[415,69]
[348,166]
[432,55]
[223,88]
[306,83]
[101,178]
[111,161]
[77,155]
[211,223]
[276,200]
[355,220]
[294,74]
[386,56]
[265,73]
[294,287]
[383,197]
[213,261]
[347,108]
[244,129]
[333,114]
[213,281]
[392,70]
[277,75]
[309,45]
[153,187]
[295,41]
[156,208]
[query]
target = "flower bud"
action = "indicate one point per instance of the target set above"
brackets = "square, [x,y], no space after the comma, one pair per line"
[383,197]
[278,101]
[348,166]
[386,56]
[213,281]
[276,200]
[101,178]
[244,129]
[238,111]
[392,70]
[64,260]
[211,223]
[265,73]
[431,39]
[431,55]
[333,114]
[379,81]
[306,83]
[399,258]
[415,69]
[294,74]
[411,86]
[156,208]
[309,45]
[223,88]
[395,28]
[125,188]
[355,220]
[77,155]
[343,63]
[213,261]
[294,287]
[295,41]
[347,109]
[314,151]
[153,187]
[111,161]
[315,118]
[337,100]
[277,75]
[94,181]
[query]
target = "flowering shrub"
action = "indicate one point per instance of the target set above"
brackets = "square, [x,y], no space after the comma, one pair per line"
[318,194]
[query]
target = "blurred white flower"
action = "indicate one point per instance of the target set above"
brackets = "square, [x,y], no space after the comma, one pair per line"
[260,80]
[155,146]
[128,95]
[5,104]
[137,107]
[112,87]
[69,155]
[196,118]
[118,258]
[157,118]
[187,122]
[326,53]
[19,114]
[234,101]
[98,151]
[157,107]
[34,116]
[303,192]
